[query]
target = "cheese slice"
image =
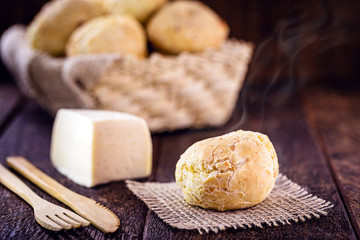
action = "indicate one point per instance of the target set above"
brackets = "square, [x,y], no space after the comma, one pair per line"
[92,147]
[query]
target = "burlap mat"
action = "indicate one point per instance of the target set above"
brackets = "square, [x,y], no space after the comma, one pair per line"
[287,203]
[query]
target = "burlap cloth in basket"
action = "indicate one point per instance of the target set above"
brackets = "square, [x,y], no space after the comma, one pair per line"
[287,203]
[169,92]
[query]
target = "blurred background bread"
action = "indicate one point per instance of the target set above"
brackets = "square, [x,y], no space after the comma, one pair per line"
[332,55]
[186,26]
[53,25]
[121,34]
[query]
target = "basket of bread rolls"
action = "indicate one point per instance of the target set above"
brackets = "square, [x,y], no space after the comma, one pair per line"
[169,62]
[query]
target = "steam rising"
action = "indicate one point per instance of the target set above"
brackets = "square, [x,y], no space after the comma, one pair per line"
[279,58]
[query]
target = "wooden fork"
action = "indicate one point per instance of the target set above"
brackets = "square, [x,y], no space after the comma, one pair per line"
[47,214]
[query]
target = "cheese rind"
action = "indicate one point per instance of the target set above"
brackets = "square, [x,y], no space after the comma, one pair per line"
[92,147]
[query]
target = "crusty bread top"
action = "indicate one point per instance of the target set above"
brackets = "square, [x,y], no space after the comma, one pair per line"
[236,170]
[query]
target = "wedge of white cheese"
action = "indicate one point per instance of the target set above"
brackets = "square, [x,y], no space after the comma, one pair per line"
[92,147]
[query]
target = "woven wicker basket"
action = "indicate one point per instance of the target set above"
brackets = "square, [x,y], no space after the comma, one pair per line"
[169,92]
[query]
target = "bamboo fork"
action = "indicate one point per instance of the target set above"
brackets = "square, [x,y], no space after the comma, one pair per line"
[47,214]
[95,213]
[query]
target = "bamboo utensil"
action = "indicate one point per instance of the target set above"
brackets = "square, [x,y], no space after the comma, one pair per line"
[98,215]
[47,214]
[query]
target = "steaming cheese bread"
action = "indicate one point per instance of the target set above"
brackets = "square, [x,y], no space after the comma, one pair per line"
[121,34]
[141,9]
[53,25]
[233,171]
[186,26]
[92,147]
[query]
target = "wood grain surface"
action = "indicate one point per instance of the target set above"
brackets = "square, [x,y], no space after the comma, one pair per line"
[336,124]
[10,101]
[301,157]
[29,135]
[315,128]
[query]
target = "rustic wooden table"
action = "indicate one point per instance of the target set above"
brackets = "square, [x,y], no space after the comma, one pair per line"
[316,133]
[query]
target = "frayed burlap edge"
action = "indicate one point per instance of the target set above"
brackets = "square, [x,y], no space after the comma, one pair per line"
[287,203]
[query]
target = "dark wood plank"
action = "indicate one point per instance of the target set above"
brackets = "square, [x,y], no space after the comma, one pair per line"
[335,117]
[299,159]
[10,99]
[29,136]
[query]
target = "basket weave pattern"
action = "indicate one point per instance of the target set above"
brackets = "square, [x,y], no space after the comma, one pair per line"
[189,90]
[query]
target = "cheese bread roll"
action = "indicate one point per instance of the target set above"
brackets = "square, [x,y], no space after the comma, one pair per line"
[121,34]
[53,25]
[233,171]
[186,26]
